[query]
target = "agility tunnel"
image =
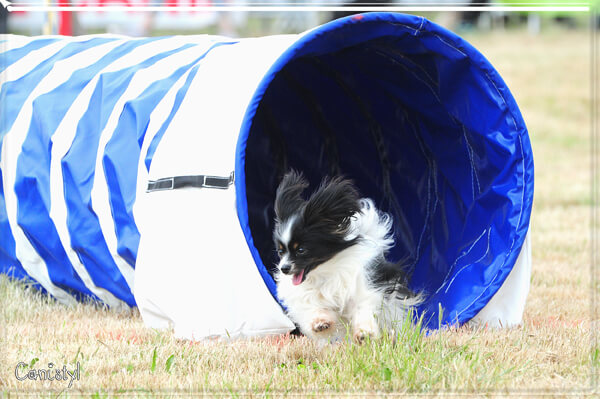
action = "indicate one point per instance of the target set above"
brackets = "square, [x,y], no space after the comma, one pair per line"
[143,171]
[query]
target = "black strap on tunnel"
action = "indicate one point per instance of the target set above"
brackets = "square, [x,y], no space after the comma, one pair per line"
[199,181]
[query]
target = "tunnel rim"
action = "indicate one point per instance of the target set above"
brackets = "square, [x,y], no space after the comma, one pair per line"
[414,25]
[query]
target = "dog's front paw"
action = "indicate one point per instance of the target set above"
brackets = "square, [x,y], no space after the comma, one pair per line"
[321,324]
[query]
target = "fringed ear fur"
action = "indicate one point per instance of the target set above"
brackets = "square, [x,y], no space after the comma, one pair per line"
[334,203]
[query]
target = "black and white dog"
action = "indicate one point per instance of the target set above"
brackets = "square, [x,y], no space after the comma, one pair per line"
[332,274]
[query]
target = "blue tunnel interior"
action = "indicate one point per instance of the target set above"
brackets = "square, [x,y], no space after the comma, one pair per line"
[423,125]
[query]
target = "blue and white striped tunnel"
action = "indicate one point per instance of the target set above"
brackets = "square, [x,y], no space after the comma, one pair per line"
[416,116]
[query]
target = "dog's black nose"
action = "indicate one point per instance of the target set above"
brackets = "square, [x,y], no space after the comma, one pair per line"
[286,268]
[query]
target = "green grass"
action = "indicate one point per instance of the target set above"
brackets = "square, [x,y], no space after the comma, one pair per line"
[125,360]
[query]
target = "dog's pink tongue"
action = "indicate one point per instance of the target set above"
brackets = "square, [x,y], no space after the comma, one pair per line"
[297,279]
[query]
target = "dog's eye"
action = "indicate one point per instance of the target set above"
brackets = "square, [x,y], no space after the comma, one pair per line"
[280,251]
[300,251]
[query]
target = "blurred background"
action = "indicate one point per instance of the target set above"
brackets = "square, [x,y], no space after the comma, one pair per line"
[254,23]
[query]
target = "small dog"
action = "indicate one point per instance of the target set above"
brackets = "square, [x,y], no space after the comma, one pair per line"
[332,271]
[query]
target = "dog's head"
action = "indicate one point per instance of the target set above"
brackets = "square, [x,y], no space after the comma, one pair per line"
[309,232]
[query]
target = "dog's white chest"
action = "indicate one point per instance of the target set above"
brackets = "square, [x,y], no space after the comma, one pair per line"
[332,287]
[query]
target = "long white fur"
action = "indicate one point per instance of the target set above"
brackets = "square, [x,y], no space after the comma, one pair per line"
[338,292]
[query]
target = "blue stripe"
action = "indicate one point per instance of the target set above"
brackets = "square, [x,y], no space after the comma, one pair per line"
[9,264]
[33,169]
[78,172]
[11,56]
[60,271]
[8,257]
[122,154]
[20,89]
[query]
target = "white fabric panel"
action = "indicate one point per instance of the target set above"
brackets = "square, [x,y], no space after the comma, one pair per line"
[506,307]
[194,271]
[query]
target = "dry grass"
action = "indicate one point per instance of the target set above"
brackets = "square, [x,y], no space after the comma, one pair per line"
[552,352]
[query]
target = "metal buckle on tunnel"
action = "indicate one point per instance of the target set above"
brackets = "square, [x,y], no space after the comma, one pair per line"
[167,183]
[199,181]
[218,182]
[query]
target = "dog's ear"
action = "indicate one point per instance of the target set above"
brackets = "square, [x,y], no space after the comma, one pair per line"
[288,199]
[332,205]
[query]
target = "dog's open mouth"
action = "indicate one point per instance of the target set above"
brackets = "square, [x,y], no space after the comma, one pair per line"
[298,278]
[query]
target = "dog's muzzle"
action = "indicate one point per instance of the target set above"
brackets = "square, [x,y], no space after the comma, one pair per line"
[285,269]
